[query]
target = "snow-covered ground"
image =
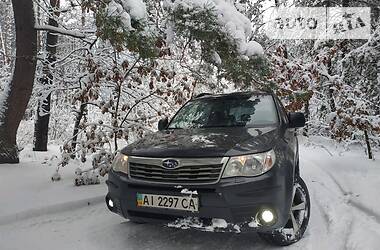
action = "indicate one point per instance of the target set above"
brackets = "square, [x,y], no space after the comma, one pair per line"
[36,213]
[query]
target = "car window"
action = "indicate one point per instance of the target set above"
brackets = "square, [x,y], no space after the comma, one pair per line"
[191,115]
[249,111]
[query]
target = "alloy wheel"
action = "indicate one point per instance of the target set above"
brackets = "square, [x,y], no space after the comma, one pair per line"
[297,214]
[298,220]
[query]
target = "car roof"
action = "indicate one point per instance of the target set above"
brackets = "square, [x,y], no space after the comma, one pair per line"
[230,95]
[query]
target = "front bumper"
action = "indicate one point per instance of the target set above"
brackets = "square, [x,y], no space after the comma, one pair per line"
[236,200]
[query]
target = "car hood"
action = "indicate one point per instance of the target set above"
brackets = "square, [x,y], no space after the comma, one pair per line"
[210,142]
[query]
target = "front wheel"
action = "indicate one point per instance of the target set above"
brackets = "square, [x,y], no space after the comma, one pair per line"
[299,215]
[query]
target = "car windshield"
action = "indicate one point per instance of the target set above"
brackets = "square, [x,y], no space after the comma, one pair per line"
[244,111]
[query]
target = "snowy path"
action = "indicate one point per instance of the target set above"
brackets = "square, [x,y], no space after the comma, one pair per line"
[344,215]
[336,222]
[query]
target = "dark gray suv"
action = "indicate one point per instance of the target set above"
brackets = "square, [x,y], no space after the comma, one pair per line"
[228,156]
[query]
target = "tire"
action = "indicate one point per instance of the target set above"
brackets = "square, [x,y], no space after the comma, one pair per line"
[299,216]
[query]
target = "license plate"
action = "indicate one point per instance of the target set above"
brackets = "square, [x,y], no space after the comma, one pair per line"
[187,203]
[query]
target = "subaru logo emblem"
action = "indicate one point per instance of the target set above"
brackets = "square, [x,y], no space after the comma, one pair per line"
[170,163]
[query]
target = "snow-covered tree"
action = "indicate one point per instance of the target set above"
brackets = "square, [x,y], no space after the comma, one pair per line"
[144,61]
[15,95]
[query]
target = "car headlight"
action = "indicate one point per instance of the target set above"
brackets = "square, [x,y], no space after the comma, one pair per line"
[120,163]
[250,165]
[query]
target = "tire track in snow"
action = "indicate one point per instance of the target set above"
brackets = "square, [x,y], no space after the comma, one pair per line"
[330,202]
[341,189]
[324,226]
[325,216]
[372,214]
[52,209]
[351,202]
[348,235]
[344,212]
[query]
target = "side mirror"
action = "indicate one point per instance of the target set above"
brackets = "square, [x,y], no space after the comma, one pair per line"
[296,120]
[163,124]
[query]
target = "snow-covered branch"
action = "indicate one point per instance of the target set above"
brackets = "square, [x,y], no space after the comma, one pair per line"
[61,31]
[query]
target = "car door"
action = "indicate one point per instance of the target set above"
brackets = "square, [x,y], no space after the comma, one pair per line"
[290,137]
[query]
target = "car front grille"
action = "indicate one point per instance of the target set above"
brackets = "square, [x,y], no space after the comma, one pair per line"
[199,171]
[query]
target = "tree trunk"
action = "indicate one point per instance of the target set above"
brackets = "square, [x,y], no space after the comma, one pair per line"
[369,150]
[79,115]
[20,88]
[307,117]
[376,13]
[41,127]
[330,90]
[38,20]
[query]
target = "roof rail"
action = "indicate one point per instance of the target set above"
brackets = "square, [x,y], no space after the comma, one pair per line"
[202,94]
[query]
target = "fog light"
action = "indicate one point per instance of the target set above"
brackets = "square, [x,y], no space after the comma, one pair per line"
[110,203]
[267,216]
